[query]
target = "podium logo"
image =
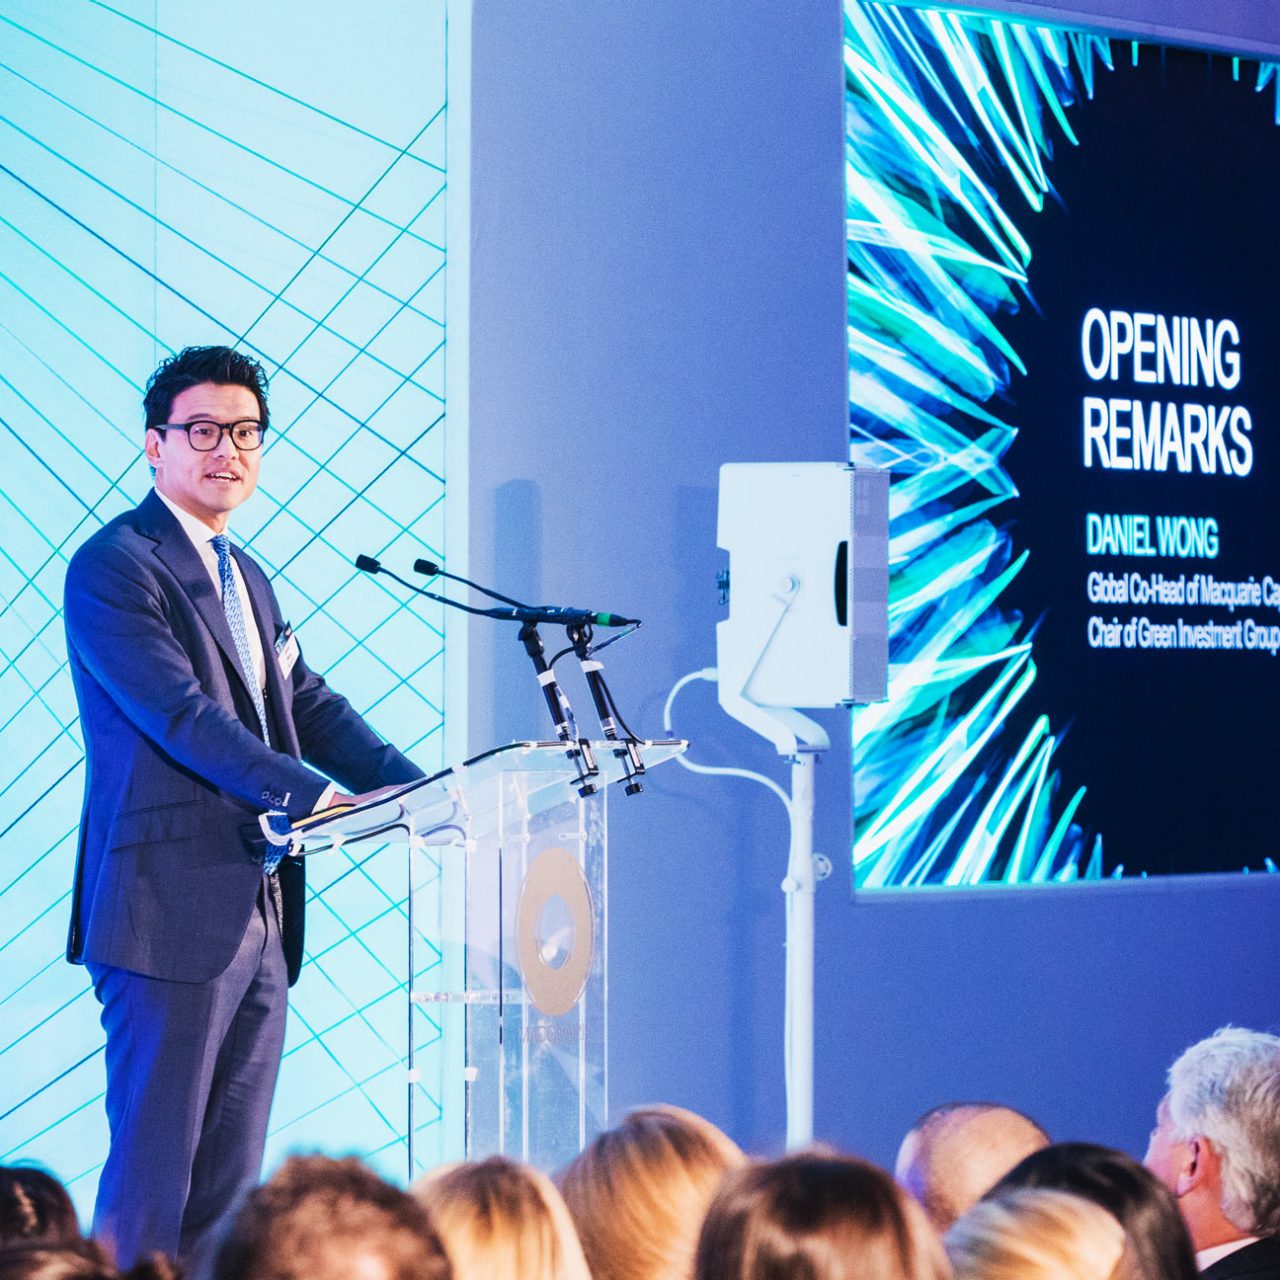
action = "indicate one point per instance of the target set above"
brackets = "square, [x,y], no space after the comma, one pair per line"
[555,932]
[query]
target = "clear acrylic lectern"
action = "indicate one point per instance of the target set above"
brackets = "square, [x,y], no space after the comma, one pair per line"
[507,925]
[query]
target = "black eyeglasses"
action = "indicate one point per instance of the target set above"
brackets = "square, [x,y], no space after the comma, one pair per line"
[205,435]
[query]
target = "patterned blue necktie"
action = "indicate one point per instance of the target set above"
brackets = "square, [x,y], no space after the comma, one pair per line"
[235,620]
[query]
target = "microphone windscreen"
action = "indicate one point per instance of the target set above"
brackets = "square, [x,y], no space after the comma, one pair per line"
[367,564]
[428,567]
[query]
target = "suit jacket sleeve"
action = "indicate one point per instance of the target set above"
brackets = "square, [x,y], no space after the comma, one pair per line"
[334,737]
[331,734]
[117,626]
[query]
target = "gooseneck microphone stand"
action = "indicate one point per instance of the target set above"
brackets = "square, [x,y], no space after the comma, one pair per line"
[578,626]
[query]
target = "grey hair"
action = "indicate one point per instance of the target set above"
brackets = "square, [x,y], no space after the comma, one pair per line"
[1227,1089]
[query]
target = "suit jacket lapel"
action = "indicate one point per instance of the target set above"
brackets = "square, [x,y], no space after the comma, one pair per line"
[174,548]
[285,737]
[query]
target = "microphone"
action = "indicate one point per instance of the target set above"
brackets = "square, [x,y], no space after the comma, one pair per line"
[429,569]
[367,564]
[517,612]
[579,750]
[525,612]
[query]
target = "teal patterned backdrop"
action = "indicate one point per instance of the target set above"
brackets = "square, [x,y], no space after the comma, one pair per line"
[175,173]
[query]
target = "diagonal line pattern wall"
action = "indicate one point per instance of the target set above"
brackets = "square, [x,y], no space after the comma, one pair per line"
[173,174]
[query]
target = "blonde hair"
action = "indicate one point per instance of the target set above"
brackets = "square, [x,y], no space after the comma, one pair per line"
[501,1219]
[1037,1234]
[639,1192]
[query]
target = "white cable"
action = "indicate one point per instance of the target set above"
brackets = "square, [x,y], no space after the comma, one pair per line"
[790,887]
[709,673]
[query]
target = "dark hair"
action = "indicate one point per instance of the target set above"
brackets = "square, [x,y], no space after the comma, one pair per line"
[194,365]
[1159,1246]
[820,1216]
[76,1260]
[315,1216]
[34,1207]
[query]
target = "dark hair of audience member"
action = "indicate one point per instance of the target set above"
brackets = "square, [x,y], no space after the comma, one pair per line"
[318,1218]
[820,1216]
[638,1192]
[75,1260]
[1159,1247]
[34,1207]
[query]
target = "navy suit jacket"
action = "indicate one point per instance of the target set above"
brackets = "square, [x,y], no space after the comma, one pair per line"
[1260,1260]
[177,772]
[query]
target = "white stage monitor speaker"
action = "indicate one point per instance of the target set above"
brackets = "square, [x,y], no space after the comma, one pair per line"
[808,546]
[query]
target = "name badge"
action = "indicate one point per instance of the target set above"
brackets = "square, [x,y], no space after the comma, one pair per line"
[286,650]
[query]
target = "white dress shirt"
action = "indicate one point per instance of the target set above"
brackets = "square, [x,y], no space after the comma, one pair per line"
[202,539]
[1207,1257]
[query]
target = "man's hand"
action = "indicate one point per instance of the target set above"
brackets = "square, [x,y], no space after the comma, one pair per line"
[340,798]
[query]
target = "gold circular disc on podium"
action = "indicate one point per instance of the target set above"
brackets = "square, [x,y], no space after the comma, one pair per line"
[553,880]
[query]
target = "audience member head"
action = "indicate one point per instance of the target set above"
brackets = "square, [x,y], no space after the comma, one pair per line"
[820,1216]
[1216,1144]
[1036,1234]
[501,1220]
[34,1207]
[639,1192]
[321,1219]
[956,1153]
[74,1260]
[1159,1246]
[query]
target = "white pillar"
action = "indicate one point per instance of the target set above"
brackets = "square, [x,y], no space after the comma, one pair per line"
[798,887]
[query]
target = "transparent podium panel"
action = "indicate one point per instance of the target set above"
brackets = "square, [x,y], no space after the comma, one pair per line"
[535,979]
[436,1118]
[507,974]
[529,969]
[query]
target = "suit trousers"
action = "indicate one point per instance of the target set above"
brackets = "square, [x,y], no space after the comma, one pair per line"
[191,1069]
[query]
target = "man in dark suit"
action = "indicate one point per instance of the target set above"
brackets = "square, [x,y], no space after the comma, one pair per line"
[197,712]
[1216,1146]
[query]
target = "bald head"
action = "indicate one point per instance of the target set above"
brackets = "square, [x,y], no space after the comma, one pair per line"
[956,1153]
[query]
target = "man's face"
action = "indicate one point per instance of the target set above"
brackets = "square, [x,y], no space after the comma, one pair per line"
[207,485]
[1165,1152]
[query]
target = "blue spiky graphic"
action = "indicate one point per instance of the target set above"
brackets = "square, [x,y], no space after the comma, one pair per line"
[951,125]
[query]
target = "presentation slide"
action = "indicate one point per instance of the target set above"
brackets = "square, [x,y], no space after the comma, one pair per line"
[1071,367]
